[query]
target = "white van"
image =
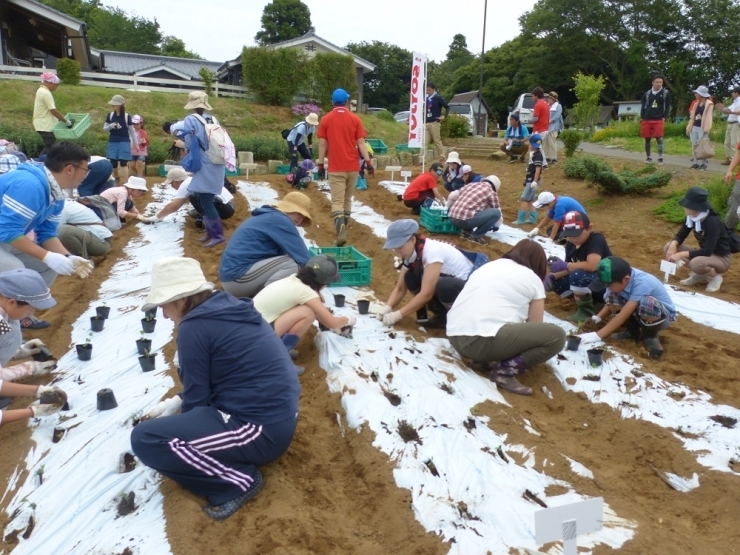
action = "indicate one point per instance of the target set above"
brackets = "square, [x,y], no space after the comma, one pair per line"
[466,111]
[525,106]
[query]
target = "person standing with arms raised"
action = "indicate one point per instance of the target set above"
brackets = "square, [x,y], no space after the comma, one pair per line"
[341,135]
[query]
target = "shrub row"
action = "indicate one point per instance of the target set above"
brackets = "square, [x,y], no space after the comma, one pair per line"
[671,211]
[600,173]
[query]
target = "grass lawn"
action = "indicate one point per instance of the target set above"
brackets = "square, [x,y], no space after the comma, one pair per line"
[672,145]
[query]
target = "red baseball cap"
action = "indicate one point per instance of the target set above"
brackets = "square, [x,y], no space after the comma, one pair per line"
[574,223]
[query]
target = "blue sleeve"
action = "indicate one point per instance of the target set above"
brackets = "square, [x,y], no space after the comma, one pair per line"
[290,241]
[525,132]
[194,134]
[18,209]
[195,365]
[559,212]
[507,133]
[48,228]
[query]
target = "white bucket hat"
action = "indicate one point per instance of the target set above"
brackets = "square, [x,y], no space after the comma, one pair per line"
[198,99]
[453,157]
[175,278]
[138,183]
[493,180]
[312,119]
[702,91]
[176,174]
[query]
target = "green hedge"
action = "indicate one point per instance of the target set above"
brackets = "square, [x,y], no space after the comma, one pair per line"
[264,148]
[671,211]
[601,174]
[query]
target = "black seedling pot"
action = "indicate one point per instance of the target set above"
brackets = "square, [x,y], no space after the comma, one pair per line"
[84,351]
[148,325]
[106,399]
[103,311]
[147,362]
[399,197]
[143,345]
[151,313]
[363,306]
[595,356]
[339,301]
[43,355]
[572,342]
[97,323]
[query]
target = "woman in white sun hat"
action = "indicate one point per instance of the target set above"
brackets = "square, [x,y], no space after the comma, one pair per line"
[207,181]
[239,404]
[452,176]
[300,136]
[122,197]
[122,134]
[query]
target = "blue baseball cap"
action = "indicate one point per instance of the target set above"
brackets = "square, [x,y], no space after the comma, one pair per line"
[26,286]
[399,232]
[536,140]
[339,97]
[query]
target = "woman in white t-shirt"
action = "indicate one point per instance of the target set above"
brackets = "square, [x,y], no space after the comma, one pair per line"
[292,304]
[497,319]
[434,272]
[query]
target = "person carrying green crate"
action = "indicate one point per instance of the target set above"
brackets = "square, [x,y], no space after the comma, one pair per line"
[435,273]
[45,113]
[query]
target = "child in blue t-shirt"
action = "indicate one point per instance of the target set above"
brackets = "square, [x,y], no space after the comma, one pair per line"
[527,213]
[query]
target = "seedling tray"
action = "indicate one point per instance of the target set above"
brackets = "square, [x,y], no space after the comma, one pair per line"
[437,221]
[82,124]
[354,267]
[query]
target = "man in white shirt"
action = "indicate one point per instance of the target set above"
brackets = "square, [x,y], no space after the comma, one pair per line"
[732,134]
[180,180]
[82,232]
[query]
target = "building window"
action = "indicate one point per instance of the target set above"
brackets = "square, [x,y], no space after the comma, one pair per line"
[309,48]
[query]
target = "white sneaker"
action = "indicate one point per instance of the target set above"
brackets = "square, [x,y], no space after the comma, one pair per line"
[694,278]
[714,284]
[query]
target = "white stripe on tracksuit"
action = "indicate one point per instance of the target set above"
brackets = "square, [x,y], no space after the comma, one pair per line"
[193,453]
[18,208]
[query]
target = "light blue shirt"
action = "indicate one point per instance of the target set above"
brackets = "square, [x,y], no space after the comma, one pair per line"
[304,130]
[556,117]
[642,285]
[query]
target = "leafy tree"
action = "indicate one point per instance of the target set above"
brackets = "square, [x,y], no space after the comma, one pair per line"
[274,75]
[588,91]
[389,85]
[283,20]
[443,74]
[175,47]
[327,72]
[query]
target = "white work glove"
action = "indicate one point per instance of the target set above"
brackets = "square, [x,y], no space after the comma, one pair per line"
[41,368]
[380,310]
[680,263]
[40,410]
[738,212]
[115,125]
[595,319]
[62,265]
[83,267]
[51,395]
[29,348]
[592,337]
[351,320]
[168,407]
[442,201]
[534,233]
[392,319]
[534,186]
[148,219]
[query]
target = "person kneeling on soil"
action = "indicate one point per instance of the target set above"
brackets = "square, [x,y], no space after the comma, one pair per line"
[635,299]
[239,403]
[291,304]
[180,180]
[496,320]
[82,232]
[475,209]
[584,250]
[452,173]
[434,272]
[423,190]
[266,247]
[713,257]
[527,213]
[516,143]
[122,197]
[557,208]
[21,292]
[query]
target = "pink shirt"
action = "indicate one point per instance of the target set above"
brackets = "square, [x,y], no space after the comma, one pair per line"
[118,196]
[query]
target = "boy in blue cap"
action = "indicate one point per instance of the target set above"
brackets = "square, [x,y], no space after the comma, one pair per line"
[527,214]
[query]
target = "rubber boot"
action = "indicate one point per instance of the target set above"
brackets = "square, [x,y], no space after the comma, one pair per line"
[216,230]
[650,338]
[585,309]
[632,330]
[207,236]
[504,373]
[532,217]
[521,218]
[340,225]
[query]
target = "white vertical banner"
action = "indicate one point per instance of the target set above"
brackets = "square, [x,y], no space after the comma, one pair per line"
[418,100]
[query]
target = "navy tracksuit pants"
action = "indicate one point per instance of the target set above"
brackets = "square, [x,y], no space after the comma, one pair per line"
[208,452]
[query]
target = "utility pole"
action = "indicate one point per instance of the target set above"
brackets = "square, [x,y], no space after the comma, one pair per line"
[480,82]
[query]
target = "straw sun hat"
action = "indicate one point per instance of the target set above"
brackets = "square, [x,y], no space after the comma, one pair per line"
[312,119]
[198,99]
[296,202]
[175,278]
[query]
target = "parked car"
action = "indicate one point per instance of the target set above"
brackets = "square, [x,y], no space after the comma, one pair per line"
[525,106]
[373,111]
[402,117]
[465,111]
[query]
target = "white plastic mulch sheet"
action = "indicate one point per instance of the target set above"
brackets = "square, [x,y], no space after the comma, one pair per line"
[464,481]
[702,309]
[73,487]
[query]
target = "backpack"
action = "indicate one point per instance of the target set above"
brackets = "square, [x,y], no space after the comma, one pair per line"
[221,150]
[286,132]
[734,240]
[103,209]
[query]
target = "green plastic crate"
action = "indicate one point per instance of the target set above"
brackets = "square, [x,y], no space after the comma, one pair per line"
[437,221]
[407,148]
[354,267]
[283,170]
[378,146]
[82,124]
[163,169]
